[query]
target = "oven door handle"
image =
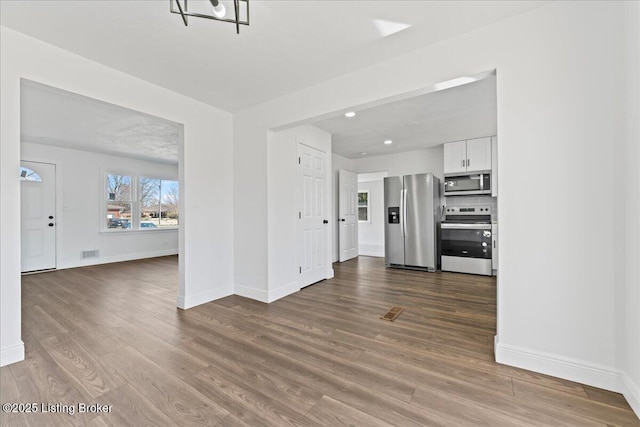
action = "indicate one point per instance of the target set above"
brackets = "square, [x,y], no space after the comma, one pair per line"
[466,226]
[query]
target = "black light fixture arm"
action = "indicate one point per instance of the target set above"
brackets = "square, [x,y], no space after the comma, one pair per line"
[183,11]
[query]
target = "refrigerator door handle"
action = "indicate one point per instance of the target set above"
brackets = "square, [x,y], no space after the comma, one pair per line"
[404,211]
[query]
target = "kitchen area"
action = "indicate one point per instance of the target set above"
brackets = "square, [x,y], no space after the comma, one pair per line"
[426,167]
[450,225]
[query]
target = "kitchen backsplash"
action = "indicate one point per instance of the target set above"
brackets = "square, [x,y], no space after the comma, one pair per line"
[474,201]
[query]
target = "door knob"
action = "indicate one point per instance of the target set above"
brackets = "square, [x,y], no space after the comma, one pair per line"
[50,216]
[50,224]
[325,221]
[342,219]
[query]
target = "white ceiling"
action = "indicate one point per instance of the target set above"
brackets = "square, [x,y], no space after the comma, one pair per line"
[424,121]
[290,45]
[55,117]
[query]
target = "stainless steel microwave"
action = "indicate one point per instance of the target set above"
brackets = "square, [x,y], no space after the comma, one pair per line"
[467,184]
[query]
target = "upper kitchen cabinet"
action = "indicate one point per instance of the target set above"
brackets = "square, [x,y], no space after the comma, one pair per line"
[473,155]
[455,157]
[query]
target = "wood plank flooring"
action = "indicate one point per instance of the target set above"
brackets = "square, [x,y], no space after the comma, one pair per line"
[111,335]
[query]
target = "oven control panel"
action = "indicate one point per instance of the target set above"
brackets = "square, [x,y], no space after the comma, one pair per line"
[468,210]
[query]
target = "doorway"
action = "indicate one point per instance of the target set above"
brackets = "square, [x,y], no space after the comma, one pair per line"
[37,216]
[312,215]
[348,218]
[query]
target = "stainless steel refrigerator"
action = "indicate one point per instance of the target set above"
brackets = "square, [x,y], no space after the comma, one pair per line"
[412,221]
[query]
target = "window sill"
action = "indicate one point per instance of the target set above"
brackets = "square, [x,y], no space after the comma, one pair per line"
[148,230]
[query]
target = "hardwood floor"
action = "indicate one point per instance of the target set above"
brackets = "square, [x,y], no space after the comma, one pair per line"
[111,335]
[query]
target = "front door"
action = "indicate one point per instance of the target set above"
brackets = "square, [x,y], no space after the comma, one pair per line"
[37,212]
[312,215]
[348,220]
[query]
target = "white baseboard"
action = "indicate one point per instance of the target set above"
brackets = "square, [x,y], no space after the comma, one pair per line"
[283,291]
[186,302]
[330,273]
[560,366]
[115,258]
[12,354]
[631,392]
[571,369]
[371,250]
[256,294]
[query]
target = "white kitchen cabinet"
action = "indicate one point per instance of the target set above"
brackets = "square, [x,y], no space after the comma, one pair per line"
[479,154]
[472,155]
[494,251]
[455,157]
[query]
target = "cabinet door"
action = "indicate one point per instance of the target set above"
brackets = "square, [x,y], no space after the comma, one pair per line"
[479,154]
[455,157]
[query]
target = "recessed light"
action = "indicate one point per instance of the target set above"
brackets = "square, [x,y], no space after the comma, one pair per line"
[388,141]
[363,154]
[350,114]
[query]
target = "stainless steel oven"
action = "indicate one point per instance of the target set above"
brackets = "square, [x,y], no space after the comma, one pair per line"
[467,184]
[465,240]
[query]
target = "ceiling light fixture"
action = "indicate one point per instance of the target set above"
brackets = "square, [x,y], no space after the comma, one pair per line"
[363,153]
[218,14]
[388,141]
[350,114]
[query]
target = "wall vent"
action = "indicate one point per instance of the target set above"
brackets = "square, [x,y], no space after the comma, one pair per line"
[91,254]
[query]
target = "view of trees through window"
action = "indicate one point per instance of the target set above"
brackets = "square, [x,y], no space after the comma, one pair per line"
[363,205]
[119,200]
[153,201]
[158,202]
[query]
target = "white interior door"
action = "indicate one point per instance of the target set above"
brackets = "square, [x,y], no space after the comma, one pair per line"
[37,211]
[348,210]
[312,215]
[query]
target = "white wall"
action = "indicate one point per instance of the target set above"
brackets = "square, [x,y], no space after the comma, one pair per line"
[371,234]
[337,162]
[412,162]
[206,233]
[629,226]
[556,116]
[80,184]
[282,169]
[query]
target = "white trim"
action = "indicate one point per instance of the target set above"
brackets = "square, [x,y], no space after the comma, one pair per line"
[283,291]
[115,258]
[567,368]
[12,354]
[330,273]
[252,293]
[190,301]
[631,392]
[371,250]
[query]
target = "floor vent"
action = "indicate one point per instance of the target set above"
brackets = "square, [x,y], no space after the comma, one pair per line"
[90,254]
[393,313]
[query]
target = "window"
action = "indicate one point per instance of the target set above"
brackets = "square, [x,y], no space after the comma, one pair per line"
[141,203]
[27,174]
[363,206]
[119,201]
[158,203]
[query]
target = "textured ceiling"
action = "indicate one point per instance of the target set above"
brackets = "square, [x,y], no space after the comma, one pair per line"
[424,121]
[56,117]
[289,46]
